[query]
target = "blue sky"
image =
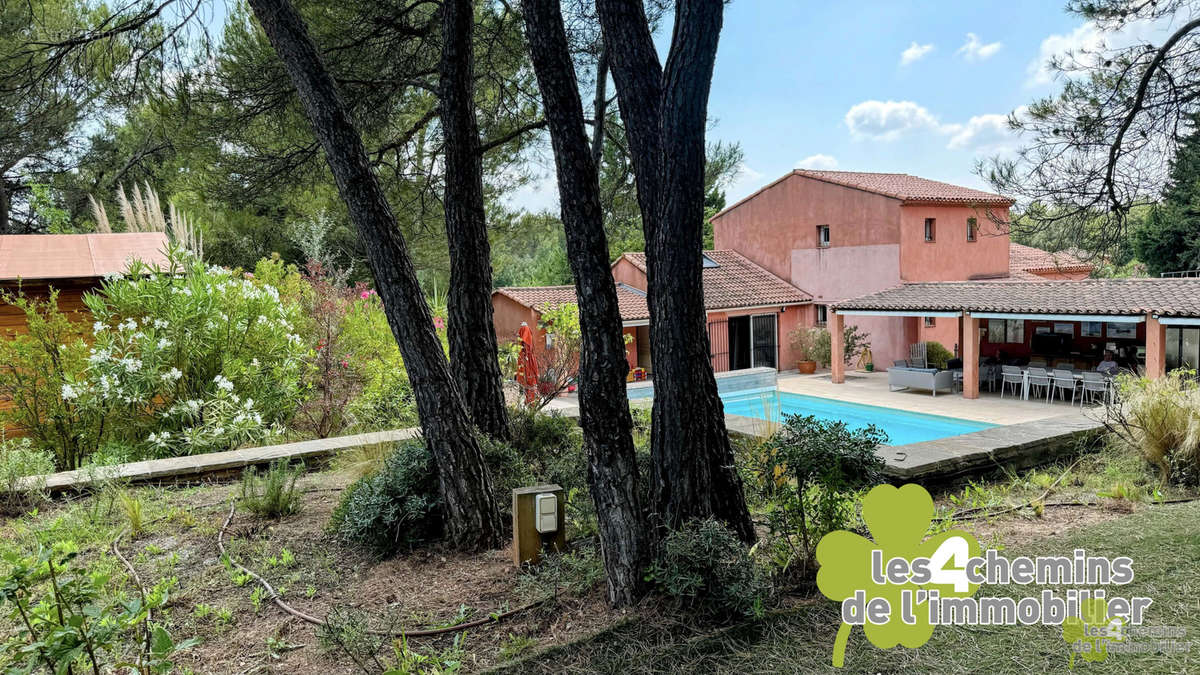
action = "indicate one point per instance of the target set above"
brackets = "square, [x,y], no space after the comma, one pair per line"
[831,82]
[888,85]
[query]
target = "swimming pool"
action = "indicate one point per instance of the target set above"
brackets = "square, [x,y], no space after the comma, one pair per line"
[901,426]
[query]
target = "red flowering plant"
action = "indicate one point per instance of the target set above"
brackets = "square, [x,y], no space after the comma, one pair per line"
[332,380]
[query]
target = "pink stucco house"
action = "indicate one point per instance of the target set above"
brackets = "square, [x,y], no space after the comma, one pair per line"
[845,234]
[750,311]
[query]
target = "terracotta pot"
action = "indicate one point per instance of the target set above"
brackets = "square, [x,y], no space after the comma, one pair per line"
[806,367]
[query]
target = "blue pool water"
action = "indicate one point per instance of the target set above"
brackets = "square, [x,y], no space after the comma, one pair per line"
[901,426]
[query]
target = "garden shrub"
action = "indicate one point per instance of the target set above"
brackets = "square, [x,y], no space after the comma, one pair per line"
[855,342]
[334,375]
[40,373]
[67,621]
[272,494]
[937,356]
[385,400]
[509,469]
[806,479]
[575,573]
[397,506]
[551,445]
[1160,420]
[705,568]
[191,359]
[20,460]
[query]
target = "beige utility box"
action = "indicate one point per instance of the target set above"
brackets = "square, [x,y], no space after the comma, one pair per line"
[538,522]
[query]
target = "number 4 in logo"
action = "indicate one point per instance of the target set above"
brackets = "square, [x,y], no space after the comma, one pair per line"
[954,550]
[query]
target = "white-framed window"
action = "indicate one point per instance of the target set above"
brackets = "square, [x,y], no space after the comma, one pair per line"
[972,228]
[930,229]
[930,321]
[822,315]
[822,236]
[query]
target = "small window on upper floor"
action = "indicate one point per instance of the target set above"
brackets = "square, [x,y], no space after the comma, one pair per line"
[972,227]
[930,322]
[822,235]
[822,315]
[930,228]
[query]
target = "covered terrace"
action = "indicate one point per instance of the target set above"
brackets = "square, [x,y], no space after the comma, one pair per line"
[1154,324]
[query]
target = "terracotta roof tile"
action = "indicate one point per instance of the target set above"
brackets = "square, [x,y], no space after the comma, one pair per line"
[906,187]
[630,302]
[67,256]
[902,186]
[737,282]
[734,282]
[1168,297]
[1029,259]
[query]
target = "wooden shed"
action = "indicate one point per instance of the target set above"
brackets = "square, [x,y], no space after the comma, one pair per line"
[72,263]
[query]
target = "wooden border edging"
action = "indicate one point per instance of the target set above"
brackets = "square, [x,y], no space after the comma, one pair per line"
[213,462]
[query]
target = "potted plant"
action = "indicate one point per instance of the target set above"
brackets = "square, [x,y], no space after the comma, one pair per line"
[805,343]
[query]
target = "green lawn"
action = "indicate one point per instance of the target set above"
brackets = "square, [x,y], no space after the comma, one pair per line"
[1164,542]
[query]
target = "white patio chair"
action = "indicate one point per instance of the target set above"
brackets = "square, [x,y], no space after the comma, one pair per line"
[1095,383]
[988,373]
[1011,375]
[1063,380]
[1039,380]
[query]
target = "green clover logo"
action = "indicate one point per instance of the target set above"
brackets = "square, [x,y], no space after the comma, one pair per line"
[898,520]
[1094,629]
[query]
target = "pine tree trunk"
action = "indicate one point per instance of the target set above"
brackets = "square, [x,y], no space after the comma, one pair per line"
[604,408]
[471,513]
[473,357]
[600,109]
[693,471]
[5,205]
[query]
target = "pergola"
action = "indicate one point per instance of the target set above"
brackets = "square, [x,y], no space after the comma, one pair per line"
[1158,303]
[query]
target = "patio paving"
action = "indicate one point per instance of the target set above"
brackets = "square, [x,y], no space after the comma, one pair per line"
[872,389]
[1029,432]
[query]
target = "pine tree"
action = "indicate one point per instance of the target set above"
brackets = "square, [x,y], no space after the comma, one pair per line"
[1169,240]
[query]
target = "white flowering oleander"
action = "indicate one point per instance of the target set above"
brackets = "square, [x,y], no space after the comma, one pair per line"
[69,393]
[155,369]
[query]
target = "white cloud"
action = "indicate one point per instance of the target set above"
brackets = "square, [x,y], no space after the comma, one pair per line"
[887,120]
[891,120]
[744,183]
[1086,40]
[980,133]
[915,52]
[818,162]
[975,50]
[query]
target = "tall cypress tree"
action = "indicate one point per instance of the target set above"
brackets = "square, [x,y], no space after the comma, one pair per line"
[1169,241]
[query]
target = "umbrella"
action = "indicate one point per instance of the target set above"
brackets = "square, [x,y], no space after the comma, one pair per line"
[527,374]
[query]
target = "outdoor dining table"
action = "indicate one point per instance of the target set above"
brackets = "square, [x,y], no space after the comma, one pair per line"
[1050,373]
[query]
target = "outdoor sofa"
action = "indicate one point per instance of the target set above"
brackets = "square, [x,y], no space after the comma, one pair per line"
[907,377]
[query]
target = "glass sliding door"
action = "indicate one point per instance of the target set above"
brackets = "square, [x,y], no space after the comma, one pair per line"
[763,336]
[1183,348]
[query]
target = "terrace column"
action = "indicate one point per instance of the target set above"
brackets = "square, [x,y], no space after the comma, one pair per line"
[837,341]
[1156,348]
[970,355]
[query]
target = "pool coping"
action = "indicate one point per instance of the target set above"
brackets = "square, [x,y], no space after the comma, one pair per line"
[1015,446]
